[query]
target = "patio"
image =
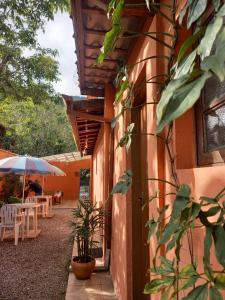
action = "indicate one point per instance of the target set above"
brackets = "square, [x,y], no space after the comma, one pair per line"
[38,268]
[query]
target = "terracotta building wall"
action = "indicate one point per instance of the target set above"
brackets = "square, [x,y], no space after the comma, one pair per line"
[153,157]
[98,170]
[69,184]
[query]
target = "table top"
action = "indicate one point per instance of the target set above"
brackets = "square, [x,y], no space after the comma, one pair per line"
[42,196]
[26,205]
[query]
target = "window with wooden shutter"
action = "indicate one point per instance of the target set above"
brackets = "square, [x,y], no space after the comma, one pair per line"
[211,123]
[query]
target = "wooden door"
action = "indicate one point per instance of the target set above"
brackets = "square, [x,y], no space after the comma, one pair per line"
[139,161]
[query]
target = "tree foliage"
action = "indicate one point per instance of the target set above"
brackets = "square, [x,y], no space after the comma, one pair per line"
[35,129]
[22,74]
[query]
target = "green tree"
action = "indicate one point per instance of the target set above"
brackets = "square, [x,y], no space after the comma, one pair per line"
[35,129]
[24,75]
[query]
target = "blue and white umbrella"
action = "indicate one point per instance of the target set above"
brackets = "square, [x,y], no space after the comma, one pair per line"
[28,165]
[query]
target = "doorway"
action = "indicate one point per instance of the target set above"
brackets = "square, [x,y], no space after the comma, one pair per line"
[139,161]
[85,184]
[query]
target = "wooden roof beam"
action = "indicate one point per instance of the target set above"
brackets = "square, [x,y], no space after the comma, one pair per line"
[101,69]
[117,50]
[88,131]
[106,59]
[91,117]
[127,12]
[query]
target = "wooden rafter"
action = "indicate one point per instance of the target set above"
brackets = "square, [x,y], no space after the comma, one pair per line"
[88,116]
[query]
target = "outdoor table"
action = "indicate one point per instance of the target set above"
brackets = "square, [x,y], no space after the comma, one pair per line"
[27,207]
[48,199]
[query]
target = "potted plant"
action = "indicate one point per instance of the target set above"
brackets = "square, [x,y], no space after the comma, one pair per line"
[87,223]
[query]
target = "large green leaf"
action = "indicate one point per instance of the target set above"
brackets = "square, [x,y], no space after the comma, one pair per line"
[206,258]
[181,201]
[151,227]
[183,11]
[168,232]
[207,41]
[216,4]
[112,36]
[156,285]
[179,101]
[219,241]
[124,183]
[109,43]
[221,12]
[198,293]
[212,211]
[196,9]
[214,294]
[167,95]
[116,119]
[186,65]
[188,43]
[123,87]
[220,281]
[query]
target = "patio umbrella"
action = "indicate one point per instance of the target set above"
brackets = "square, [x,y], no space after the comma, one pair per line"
[28,165]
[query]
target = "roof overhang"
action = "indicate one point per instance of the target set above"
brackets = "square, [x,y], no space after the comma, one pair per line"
[86,117]
[65,157]
[90,25]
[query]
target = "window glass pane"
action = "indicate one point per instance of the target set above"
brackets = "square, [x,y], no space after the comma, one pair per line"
[213,90]
[215,128]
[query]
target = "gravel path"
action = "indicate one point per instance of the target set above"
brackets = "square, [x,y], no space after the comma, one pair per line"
[37,269]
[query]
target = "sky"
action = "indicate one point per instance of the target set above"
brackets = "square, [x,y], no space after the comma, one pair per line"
[58,35]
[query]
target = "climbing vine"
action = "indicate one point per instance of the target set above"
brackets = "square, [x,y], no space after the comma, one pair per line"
[199,58]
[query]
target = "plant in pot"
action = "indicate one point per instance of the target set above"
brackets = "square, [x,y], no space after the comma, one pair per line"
[87,224]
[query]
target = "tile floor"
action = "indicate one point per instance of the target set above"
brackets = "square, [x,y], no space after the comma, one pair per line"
[98,287]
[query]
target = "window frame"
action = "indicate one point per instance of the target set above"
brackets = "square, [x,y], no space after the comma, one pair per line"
[205,157]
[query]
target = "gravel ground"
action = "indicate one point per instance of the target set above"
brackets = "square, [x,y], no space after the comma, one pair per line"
[37,269]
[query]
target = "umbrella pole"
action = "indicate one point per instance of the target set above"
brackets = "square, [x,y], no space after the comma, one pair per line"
[43,183]
[24,177]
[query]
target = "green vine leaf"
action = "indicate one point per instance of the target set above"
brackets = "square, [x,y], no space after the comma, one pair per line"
[112,36]
[221,12]
[198,293]
[124,183]
[216,62]
[168,232]
[212,211]
[205,46]
[179,100]
[116,119]
[196,9]
[216,4]
[214,294]
[209,200]
[123,87]
[151,227]
[206,258]
[126,139]
[186,66]
[219,241]
[220,281]
[167,95]
[190,41]
[156,285]
[181,201]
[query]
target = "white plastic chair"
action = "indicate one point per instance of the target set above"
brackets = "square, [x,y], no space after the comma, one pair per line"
[11,219]
[43,206]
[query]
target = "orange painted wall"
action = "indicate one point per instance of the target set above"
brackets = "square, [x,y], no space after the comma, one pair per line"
[69,184]
[98,170]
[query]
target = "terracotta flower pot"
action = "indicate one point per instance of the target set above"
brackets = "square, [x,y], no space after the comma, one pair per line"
[82,270]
